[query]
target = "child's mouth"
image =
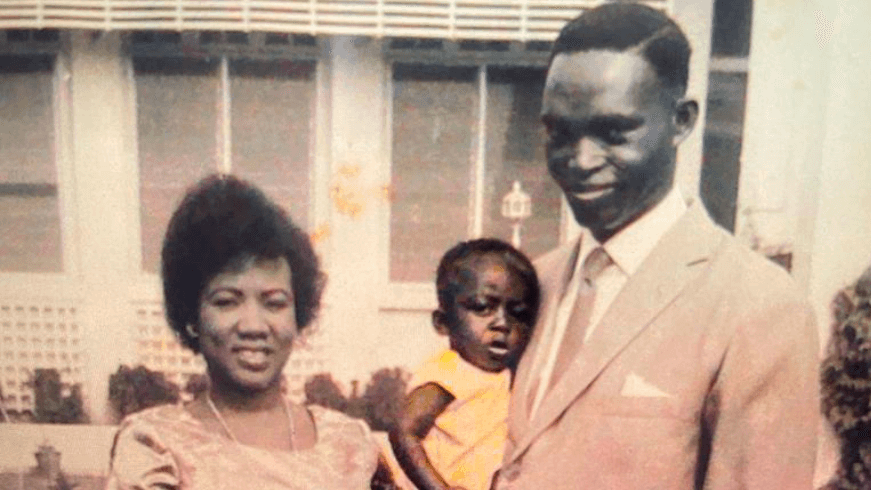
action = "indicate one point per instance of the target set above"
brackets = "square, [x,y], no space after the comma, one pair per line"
[498,349]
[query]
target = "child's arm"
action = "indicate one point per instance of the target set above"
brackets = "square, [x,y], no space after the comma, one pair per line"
[422,406]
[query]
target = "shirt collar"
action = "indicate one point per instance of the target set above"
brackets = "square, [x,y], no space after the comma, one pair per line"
[631,245]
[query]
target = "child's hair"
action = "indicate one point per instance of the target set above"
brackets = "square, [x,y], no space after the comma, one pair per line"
[453,260]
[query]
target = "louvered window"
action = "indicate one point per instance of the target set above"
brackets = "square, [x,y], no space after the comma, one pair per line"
[518,20]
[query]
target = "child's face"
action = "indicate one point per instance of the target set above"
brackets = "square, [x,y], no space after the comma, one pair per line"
[491,320]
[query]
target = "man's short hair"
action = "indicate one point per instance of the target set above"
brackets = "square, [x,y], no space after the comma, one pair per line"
[627,26]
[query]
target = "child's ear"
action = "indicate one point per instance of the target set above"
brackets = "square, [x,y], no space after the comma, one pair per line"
[440,321]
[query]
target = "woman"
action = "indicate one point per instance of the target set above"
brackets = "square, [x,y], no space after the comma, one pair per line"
[240,283]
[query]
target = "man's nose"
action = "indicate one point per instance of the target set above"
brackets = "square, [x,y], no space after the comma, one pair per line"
[589,153]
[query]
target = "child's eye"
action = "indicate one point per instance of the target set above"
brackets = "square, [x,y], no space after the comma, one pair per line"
[520,311]
[478,306]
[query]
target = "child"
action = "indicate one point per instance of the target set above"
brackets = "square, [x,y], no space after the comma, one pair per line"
[452,430]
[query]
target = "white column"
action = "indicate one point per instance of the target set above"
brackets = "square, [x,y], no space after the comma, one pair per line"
[357,230]
[841,238]
[107,210]
[805,174]
[837,208]
[695,17]
[783,118]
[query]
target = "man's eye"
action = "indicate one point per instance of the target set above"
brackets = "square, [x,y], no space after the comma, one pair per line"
[613,136]
[558,134]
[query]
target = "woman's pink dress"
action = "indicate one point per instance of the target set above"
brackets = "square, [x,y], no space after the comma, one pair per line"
[166,448]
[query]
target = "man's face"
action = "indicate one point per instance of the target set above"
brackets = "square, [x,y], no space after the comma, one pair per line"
[612,131]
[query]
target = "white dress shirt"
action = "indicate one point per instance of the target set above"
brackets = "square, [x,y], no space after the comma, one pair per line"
[627,249]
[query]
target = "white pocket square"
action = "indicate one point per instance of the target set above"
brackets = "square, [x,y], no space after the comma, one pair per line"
[636,386]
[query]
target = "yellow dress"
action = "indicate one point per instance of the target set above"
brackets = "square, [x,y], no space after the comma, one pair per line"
[467,442]
[166,448]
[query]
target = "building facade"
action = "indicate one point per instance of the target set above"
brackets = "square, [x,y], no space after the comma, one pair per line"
[389,130]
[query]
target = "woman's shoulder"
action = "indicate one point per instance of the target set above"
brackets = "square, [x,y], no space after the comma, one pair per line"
[161,425]
[168,413]
[327,418]
[335,427]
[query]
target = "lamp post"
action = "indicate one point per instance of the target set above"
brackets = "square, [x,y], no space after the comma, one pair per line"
[516,206]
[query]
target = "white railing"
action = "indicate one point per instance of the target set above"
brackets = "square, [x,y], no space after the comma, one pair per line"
[515,20]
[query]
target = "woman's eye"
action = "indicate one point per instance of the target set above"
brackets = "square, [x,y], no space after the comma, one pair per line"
[277,304]
[223,302]
[277,301]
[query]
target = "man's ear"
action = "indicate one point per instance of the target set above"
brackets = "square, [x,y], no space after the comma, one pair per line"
[440,321]
[686,112]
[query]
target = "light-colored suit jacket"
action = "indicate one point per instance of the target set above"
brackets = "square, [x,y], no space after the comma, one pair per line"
[701,374]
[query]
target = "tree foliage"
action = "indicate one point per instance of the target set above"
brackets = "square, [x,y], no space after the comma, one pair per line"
[320,389]
[383,396]
[52,407]
[378,405]
[135,389]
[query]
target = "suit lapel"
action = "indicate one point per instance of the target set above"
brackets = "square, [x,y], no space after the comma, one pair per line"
[673,263]
[554,270]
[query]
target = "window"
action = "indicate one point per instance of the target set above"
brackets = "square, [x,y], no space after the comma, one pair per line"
[462,135]
[248,116]
[724,122]
[30,233]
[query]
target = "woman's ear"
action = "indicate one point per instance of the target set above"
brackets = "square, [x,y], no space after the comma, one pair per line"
[686,112]
[440,321]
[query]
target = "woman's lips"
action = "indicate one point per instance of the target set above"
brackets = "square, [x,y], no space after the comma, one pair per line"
[254,359]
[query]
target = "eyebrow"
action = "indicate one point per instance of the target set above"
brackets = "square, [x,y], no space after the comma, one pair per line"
[238,292]
[623,123]
[615,121]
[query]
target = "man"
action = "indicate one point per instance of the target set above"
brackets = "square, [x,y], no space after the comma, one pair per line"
[666,355]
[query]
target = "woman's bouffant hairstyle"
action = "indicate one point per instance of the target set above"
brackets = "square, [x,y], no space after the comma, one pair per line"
[453,262]
[626,26]
[221,223]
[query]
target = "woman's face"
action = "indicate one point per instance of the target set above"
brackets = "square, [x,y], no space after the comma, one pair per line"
[247,325]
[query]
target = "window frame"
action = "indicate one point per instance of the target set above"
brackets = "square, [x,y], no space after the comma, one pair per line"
[410,296]
[221,47]
[62,282]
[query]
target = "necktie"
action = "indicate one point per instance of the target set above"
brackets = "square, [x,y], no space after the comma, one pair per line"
[594,264]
